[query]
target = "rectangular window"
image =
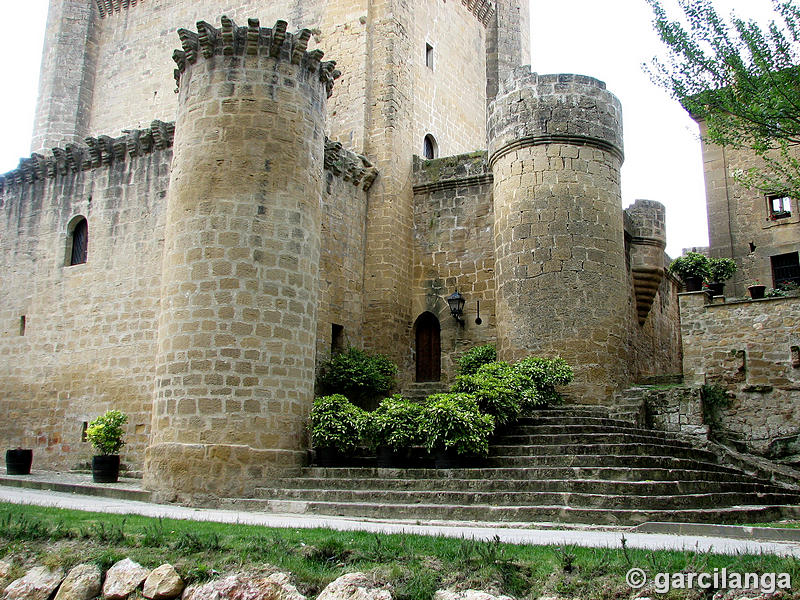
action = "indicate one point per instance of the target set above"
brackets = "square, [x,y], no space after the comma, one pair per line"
[779,206]
[785,269]
[22,324]
[337,338]
[429,56]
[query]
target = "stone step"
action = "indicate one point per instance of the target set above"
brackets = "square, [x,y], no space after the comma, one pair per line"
[597,449]
[580,500]
[599,460]
[539,430]
[586,486]
[598,516]
[585,438]
[605,473]
[573,420]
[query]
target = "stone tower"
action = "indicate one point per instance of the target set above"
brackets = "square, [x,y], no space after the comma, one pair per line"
[555,149]
[66,82]
[236,338]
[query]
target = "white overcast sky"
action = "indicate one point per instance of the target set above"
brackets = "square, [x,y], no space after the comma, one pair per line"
[607,39]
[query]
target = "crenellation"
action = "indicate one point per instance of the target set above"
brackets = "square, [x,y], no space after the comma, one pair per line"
[95,153]
[252,40]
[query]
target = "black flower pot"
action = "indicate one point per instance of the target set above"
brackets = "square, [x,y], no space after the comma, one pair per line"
[757,291]
[327,457]
[717,288]
[445,459]
[693,284]
[385,457]
[105,468]
[18,462]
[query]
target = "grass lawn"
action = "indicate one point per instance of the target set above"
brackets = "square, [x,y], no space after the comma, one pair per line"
[415,566]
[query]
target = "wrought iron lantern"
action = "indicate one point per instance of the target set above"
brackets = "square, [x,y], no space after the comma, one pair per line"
[456,302]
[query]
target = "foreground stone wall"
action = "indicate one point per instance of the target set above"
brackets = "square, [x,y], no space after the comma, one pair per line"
[752,348]
[88,338]
[454,250]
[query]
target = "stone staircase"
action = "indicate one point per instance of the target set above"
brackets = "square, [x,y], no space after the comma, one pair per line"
[571,464]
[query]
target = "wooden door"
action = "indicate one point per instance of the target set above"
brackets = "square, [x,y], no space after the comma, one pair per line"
[429,348]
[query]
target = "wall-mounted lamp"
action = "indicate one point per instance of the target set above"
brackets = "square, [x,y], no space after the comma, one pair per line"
[456,302]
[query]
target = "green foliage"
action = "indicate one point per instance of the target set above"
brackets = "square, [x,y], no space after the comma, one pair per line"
[476,357]
[544,375]
[396,423]
[741,80]
[497,390]
[693,264]
[336,423]
[454,421]
[714,398]
[105,432]
[357,375]
[504,391]
[721,269]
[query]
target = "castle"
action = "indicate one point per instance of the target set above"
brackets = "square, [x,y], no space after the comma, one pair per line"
[188,249]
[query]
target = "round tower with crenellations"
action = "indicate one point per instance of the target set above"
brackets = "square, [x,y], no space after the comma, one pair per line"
[236,338]
[555,148]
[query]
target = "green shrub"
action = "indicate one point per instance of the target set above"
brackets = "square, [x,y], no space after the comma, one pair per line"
[496,389]
[721,269]
[106,431]
[475,358]
[544,375]
[357,375]
[454,422]
[504,391]
[336,423]
[693,264]
[396,423]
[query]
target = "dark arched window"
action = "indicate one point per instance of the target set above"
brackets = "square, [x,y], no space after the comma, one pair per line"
[79,241]
[429,147]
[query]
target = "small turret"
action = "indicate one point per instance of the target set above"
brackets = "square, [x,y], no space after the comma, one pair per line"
[645,225]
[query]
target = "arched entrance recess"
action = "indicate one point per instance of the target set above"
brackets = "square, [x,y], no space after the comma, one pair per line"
[428,348]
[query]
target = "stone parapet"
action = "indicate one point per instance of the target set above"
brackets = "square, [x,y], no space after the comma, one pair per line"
[449,172]
[352,167]
[95,153]
[532,109]
[253,40]
[108,7]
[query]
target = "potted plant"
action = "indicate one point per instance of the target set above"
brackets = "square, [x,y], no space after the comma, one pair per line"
[756,290]
[18,461]
[692,269]
[720,270]
[395,426]
[336,428]
[453,425]
[105,434]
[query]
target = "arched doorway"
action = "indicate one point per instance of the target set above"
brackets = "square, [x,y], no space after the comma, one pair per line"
[428,347]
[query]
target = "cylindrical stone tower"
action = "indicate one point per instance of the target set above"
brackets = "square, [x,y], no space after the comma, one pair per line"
[555,147]
[236,339]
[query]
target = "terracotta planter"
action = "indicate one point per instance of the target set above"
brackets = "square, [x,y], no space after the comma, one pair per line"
[105,468]
[756,291]
[18,461]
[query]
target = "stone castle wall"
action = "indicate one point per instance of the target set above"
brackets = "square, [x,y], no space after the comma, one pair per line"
[120,66]
[752,348]
[454,250]
[738,217]
[90,329]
